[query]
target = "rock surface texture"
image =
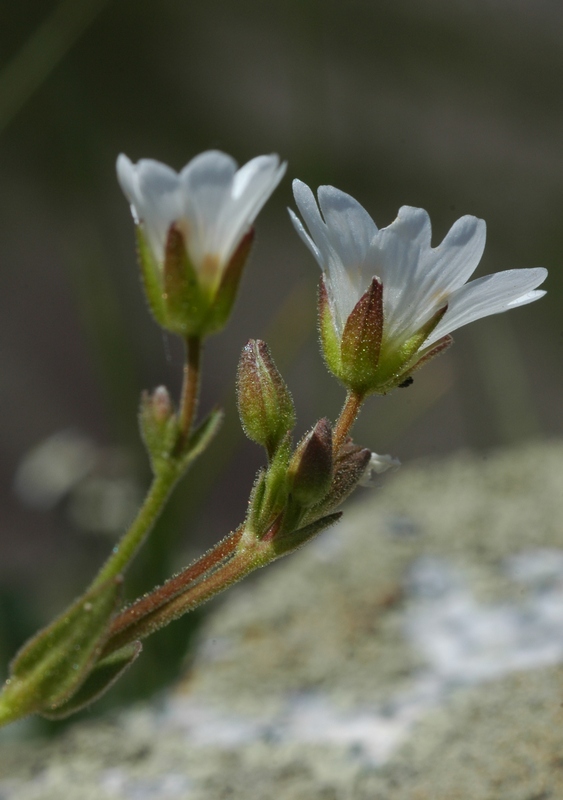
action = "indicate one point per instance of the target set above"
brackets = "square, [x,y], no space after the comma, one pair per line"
[414,652]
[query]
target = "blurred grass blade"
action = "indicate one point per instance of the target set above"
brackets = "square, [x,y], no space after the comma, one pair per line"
[44,49]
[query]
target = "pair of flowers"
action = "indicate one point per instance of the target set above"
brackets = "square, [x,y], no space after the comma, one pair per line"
[388,302]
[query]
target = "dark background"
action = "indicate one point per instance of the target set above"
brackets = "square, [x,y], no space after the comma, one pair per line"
[452,106]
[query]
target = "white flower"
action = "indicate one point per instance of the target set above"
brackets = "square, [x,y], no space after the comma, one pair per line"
[418,280]
[211,202]
[377,465]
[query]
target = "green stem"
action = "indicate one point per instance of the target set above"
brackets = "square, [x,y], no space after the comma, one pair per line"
[164,481]
[123,552]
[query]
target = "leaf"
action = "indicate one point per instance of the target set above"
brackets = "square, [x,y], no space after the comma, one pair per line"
[101,678]
[52,665]
[287,543]
[202,436]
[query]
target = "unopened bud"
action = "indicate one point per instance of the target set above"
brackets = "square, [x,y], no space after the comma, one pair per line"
[310,470]
[264,402]
[349,467]
[158,423]
[162,407]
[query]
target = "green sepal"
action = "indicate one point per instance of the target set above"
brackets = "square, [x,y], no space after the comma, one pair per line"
[310,470]
[330,340]
[152,279]
[271,490]
[225,296]
[51,667]
[361,341]
[106,672]
[287,543]
[395,364]
[187,305]
[349,467]
[418,361]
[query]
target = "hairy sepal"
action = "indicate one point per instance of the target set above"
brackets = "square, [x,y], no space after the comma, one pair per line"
[361,341]
[330,339]
[187,305]
[151,274]
[226,294]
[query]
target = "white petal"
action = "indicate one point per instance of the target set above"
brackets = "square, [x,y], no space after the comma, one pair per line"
[309,209]
[376,466]
[489,295]
[439,272]
[350,230]
[127,177]
[207,183]
[298,225]
[252,186]
[221,203]
[152,189]
[401,255]
[338,254]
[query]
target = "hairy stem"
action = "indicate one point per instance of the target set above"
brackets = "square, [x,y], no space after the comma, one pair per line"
[130,626]
[346,419]
[190,389]
[171,589]
[149,512]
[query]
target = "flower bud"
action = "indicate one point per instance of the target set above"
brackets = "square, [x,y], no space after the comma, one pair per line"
[264,403]
[349,467]
[159,425]
[310,470]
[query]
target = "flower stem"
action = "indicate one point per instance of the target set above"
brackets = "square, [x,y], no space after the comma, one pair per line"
[164,481]
[171,589]
[123,552]
[190,388]
[185,592]
[346,419]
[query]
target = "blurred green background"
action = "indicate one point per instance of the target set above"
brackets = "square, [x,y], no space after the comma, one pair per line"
[452,106]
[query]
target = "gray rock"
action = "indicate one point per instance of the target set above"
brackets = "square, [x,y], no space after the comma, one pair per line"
[412,652]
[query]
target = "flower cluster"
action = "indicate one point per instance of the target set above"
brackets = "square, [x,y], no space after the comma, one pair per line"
[388,302]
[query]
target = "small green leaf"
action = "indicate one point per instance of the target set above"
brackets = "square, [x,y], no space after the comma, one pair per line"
[201,438]
[287,543]
[52,665]
[101,678]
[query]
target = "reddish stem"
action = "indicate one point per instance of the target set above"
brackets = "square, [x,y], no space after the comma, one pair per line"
[150,603]
[346,419]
